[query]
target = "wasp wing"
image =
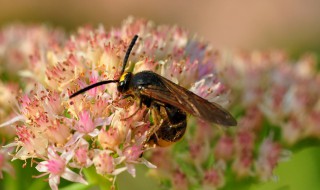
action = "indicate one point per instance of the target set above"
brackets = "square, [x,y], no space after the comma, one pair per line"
[175,95]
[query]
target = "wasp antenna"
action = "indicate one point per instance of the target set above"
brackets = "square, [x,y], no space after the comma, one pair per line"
[92,86]
[125,60]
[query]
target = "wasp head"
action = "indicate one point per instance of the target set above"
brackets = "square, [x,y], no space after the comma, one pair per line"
[124,82]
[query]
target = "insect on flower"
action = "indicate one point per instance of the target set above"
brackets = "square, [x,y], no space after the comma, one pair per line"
[168,102]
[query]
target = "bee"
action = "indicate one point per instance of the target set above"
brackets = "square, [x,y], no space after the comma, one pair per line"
[168,102]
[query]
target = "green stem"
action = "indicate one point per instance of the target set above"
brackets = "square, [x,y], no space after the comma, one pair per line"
[95,179]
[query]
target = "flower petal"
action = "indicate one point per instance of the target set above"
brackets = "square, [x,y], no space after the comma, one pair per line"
[72,176]
[54,181]
[119,170]
[42,166]
[131,169]
[13,120]
[147,163]
[94,133]
[119,160]
[103,121]
[74,138]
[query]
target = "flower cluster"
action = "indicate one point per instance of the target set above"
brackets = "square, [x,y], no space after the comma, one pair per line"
[281,91]
[96,128]
[277,106]
[100,130]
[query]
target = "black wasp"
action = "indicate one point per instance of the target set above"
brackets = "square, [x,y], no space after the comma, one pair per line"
[169,103]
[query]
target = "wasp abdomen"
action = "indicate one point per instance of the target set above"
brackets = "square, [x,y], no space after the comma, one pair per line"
[172,128]
[169,134]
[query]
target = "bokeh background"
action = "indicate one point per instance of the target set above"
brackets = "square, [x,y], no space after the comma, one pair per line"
[292,25]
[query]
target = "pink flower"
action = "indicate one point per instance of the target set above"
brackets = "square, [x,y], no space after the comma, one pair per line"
[5,164]
[244,145]
[86,125]
[82,155]
[110,138]
[106,164]
[58,132]
[213,179]
[56,167]
[133,153]
[180,181]
[224,148]
[269,155]
[30,145]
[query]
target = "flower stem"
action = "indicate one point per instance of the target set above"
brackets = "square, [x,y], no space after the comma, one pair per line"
[95,179]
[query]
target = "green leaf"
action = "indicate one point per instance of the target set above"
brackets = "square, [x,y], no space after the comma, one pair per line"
[180,149]
[187,168]
[302,171]
[209,162]
[76,186]
[165,184]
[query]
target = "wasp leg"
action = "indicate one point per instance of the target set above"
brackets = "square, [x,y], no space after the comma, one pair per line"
[157,123]
[135,112]
[126,96]
[123,97]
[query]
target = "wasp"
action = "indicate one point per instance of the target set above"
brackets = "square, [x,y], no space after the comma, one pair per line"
[168,102]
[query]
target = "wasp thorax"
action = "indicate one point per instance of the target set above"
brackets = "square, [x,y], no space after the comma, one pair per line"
[124,82]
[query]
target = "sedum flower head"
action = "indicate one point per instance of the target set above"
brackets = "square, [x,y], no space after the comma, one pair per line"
[98,129]
[95,129]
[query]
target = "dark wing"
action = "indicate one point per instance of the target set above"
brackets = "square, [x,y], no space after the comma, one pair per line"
[189,102]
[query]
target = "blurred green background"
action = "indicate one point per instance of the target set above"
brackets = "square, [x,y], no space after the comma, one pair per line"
[293,25]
